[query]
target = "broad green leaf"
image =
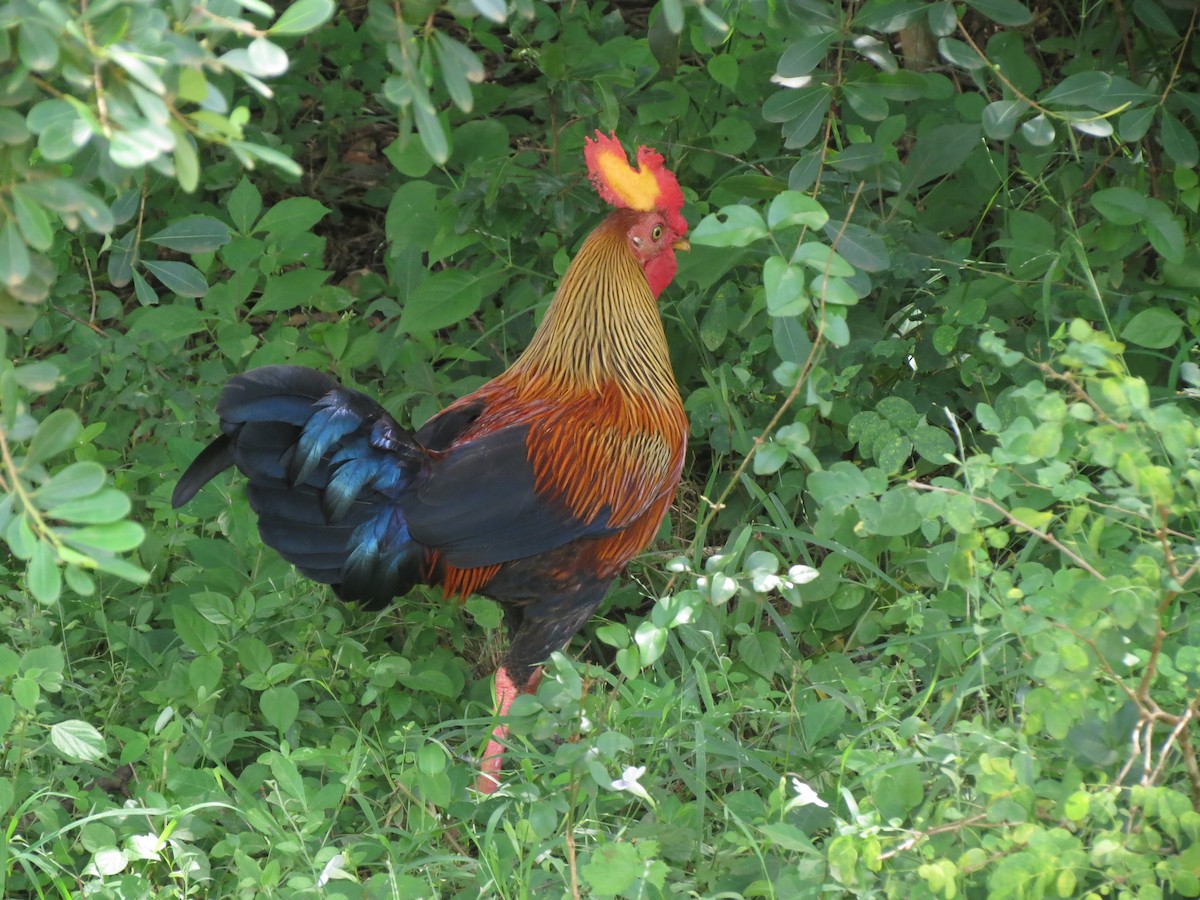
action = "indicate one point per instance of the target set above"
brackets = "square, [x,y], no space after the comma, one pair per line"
[104,506]
[1000,118]
[77,480]
[651,640]
[180,277]
[431,132]
[861,247]
[76,739]
[1121,205]
[821,258]
[280,706]
[784,286]
[770,458]
[13,130]
[57,432]
[940,152]
[303,16]
[496,10]
[1156,328]
[1006,12]
[116,537]
[291,216]
[959,54]
[1179,142]
[32,219]
[794,208]
[833,290]
[194,234]
[612,869]
[732,226]
[1038,131]
[244,205]
[42,574]
[290,290]
[14,255]
[802,112]
[804,53]
[443,299]
[1165,232]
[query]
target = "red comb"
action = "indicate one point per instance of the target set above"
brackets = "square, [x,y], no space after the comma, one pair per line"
[649,187]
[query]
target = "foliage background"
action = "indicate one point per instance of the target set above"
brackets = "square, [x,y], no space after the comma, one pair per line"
[937,341]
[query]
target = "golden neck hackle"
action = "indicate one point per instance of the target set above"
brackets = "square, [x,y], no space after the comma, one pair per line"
[603,324]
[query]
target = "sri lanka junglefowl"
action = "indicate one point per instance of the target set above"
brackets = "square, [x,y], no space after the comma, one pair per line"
[535,490]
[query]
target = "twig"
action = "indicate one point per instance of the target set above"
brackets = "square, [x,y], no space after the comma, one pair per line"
[1013,520]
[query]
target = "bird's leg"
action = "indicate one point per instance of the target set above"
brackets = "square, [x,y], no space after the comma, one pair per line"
[493,757]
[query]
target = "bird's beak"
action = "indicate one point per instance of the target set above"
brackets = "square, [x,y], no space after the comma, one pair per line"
[682,244]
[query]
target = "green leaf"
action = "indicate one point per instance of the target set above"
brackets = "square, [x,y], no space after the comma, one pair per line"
[105,506]
[959,54]
[291,217]
[1179,142]
[1121,205]
[732,226]
[194,234]
[761,651]
[1165,232]
[794,208]
[1000,118]
[940,152]
[42,574]
[1006,12]
[821,258]
[14,256]
[57,432]
[244,205]
[441,300]
[303,16]
[804,53]
[280,706]
[802,112]
[1039,131]
[182,278]
[32,219]
[291,290]
[612,869]
[496,10]
[76,739]
[785,290]
[651,640]
[431,132]
[116,537]
[1155,328]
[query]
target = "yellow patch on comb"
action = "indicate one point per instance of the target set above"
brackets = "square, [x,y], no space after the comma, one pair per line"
[636,189]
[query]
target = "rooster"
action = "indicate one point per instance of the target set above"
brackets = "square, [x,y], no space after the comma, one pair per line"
[536,489]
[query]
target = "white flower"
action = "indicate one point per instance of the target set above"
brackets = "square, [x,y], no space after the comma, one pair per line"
[802,574]
[805,796]
[628,782]
[335,868]
[797,82]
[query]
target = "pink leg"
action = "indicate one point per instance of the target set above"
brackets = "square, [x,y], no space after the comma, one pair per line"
[493,756]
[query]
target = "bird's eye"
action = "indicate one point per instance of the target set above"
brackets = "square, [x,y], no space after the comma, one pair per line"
[657,232]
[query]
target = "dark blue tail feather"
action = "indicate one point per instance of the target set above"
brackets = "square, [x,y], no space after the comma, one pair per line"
[327,470]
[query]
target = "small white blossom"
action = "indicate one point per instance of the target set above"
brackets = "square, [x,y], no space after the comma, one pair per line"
[628,782]
[805,796]
[802,574]
[335,868]
[796,82]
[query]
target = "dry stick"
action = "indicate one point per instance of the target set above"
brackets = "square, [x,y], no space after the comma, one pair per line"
[1080,394]
[1189,760]
[910,842]
[801,380]
[1013,520]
